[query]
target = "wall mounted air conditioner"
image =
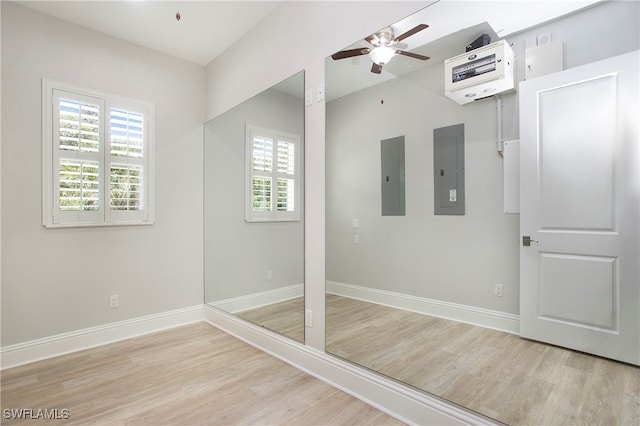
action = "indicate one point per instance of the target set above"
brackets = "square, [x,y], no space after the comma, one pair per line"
[480,73]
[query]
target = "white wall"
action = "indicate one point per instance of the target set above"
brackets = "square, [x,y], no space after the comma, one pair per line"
[59,280]
[237,254]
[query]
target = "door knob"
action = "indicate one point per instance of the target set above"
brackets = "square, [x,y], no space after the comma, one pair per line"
[526,240]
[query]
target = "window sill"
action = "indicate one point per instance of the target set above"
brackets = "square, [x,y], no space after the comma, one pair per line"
[95,225]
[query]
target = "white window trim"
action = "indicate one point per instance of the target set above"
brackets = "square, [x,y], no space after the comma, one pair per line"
[274,215]
[105,216]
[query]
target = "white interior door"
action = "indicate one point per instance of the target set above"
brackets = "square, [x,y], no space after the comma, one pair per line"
[580,204]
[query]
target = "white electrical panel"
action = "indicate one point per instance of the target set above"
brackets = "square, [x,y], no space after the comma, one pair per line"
[480,73]
[543,59]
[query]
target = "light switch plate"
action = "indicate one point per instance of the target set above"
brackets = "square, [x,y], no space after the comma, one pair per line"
[320,92]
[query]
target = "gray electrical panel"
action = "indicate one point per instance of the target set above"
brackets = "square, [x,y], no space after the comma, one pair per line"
[392,173]
[448,170]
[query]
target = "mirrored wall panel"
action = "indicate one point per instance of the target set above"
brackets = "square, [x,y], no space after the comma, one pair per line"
[253,209]
[422,253]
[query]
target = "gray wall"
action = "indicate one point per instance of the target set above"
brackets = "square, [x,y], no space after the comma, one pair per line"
[451,258]
[60,280]
[239,254]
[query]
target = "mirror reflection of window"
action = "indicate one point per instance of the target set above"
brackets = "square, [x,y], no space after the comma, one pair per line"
[253,209]
[272,172]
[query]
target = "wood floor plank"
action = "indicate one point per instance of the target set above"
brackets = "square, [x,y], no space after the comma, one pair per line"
[192,375]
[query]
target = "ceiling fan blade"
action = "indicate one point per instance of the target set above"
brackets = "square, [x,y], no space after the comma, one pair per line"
[412,55]
[411,32]
[350,53]
[375,68]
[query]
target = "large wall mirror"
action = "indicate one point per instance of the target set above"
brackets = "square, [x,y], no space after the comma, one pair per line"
[253,209]
[432,299]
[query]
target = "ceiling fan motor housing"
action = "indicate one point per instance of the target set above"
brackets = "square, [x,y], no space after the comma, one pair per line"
[383,37]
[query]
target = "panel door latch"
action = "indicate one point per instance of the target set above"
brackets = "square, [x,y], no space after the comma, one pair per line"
[526,240]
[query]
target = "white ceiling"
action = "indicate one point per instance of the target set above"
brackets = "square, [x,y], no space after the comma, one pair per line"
[208,27]
[205,30]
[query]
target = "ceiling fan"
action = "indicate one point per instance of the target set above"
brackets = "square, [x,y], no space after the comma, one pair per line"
[382,49]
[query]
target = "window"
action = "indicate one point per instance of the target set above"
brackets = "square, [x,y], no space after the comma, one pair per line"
[272,175]
[97,158]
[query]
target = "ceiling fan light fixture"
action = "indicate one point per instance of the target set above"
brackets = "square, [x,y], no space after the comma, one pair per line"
[382,54]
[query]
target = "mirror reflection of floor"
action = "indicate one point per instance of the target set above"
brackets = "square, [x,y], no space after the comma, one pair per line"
[286,317]
[500,375]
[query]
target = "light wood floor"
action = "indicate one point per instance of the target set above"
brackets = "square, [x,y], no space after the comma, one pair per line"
[192,375]
[513,380]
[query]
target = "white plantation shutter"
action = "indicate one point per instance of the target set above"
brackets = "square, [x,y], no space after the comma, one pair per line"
[126,187]
[286,155]
[261,175]
[97,162]
[261,194]
[262,154]
[127,133]
[272,159]
[286,195]
[76,135]
[79,186]
[126,164]
[286,158]
[78,123]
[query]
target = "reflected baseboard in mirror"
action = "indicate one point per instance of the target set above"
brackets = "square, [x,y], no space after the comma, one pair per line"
[498,374]
[253,256]
[284,317]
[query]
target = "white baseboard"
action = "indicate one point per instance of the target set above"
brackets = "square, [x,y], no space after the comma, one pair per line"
[256,300]
[462,313]
[60,344]
[402,402]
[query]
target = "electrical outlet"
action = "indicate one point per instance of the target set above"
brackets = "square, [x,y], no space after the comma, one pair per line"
[308,318]
[497,290]
[356,239]
[113,301]
[269,275]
